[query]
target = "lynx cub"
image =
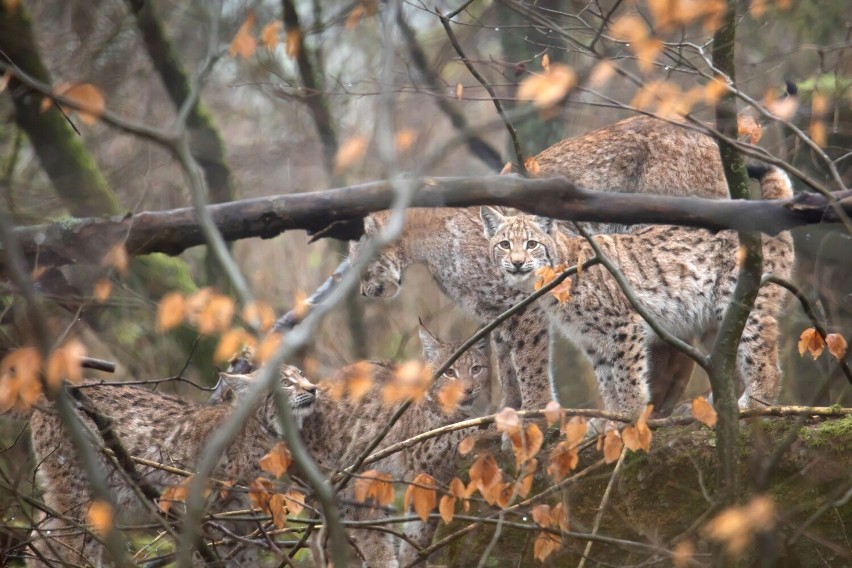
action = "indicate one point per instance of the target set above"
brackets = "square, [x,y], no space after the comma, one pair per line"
[154,426]
[339,431]
[684,276]
[637,155]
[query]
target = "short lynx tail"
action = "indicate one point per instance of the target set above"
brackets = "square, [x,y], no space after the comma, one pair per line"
[774,182]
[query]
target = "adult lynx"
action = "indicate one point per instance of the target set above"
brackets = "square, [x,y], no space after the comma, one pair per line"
[685,277]
[638,155]
[154,426]
[340,430]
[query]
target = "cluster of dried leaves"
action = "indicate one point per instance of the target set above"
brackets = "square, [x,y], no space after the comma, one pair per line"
[23,373]
[811,341]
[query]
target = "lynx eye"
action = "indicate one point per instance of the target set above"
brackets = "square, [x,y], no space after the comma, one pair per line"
[531,244]
[476,369]
[451,373]
[504,245]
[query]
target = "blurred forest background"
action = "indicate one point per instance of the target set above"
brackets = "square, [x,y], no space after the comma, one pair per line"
[263,127]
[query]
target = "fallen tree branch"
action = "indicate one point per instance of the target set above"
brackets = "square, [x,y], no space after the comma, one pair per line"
[337,213]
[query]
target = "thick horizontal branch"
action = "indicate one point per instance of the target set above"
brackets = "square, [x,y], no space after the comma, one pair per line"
[337,213]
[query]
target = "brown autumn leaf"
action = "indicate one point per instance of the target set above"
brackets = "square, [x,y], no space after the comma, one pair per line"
[527,445]
[575,430]
[714,90]
[447,508]
[216,315]
[358,380]
[244,43]
[19,378]
[411,380]
[812,342]
[349,153]
[355,16]
[633,30]
[612,446]
[548,88]
[117,258]
[173,494]
[784,108]
[449,396]
[170,311]
[374,487]
[89,98]
[546,275]
[553,413]
[295,502]
[64,363]
[277,460]
[836,345]
[563,460]
[225,488]
[99,516]
[703,412]
[562,292]
[532,166]
[559,517]
[270,33]
[524,485]
[457,488]
[102,290]
[422,493]
[484,473]
[278,510]
[405,139]
[507,169]
[293,42]
[268,347]
[507,420]
[232,342]
[736,526]
[748,126]
[466,445]
[260,492]
[541,515]
[545,544]
[683,553]
[459,91]
[259,314]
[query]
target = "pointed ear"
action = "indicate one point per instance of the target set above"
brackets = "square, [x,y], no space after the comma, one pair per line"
[237,384]
[491,220]
[430,343]
[544,223]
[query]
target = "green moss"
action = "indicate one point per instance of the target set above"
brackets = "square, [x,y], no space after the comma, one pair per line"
[828,433]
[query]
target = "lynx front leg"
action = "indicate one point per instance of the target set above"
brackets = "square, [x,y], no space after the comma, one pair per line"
[621,361]
[757,353]
[530,359]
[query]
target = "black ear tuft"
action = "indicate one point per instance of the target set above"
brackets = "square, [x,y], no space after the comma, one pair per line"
[757,171]
[491,220]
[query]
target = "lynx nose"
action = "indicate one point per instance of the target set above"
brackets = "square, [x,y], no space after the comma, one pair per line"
[517,263]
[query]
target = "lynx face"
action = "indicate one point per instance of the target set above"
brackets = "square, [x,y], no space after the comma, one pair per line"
[519,245]
[383,276]
[471,369]
[300,391]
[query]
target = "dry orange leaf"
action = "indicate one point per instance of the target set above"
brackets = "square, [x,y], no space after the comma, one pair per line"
[552,413]
[638,437]
[507,420]
[449,396]
[117,258]
[64,363]
[524,485]
[295,502]
[715,89]
[466,445]
[528,445]
[350,153]
[244,43]
[269,35]
[410,380]
[260,493]
[278,510]
[507,169]
[293,42]
[100,516]
[102,290]
[559,517]
[812,342]
[532,166]
[748,126]
[484,473]
[170,311]
[575,430]
[703,412]
[173,494]
[735,526]
[216,315]
[375,487]
[268,347]
[541,515]
[232,342]
[683,553]
[405,139]
[447,508]
[836,345]
[355,16]
[562,292]
[545,544]
[459,91]
[277,460]
[549,88]
[422,494]
[19,378]
[87,96]
[259,314]
[358,380]
[612,446]
[563,460]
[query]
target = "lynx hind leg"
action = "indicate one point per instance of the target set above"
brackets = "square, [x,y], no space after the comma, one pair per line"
[757,353]
[621,362]
[668,375]
[419,533]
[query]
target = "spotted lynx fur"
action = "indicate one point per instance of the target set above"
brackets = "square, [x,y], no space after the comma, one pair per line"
[685,277]
[637,155]
[157,427]
[339,431]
